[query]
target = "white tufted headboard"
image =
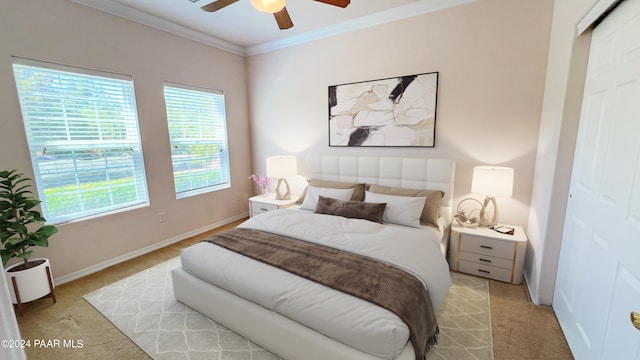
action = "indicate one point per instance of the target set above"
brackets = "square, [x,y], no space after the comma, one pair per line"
[414,173]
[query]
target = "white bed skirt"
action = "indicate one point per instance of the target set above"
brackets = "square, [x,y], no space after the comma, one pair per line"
[276,333]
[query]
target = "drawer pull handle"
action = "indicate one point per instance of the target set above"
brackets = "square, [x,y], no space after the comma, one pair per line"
[263,209]
[484,271]
[635,319]
[485,260]
[486,247]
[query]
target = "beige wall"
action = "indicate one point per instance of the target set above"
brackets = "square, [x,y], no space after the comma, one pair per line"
[568,56]
[491,56]
[64,32]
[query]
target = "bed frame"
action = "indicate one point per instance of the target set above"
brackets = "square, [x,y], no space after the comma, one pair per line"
[278,334]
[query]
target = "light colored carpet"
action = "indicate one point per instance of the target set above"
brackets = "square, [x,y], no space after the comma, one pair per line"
[143,307]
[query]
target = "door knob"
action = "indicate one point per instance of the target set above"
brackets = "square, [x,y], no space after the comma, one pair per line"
[635,319]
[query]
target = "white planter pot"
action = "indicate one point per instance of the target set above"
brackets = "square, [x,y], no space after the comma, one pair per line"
[32,283]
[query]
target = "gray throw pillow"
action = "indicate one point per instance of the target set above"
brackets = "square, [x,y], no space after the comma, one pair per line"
[351,209]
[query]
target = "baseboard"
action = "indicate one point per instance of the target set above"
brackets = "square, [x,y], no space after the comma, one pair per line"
[533,295]
[105,264]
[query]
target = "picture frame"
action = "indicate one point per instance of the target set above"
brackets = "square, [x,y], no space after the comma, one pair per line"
[392,112]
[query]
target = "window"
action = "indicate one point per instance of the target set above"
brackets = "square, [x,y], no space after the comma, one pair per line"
[198,136]
[83,135]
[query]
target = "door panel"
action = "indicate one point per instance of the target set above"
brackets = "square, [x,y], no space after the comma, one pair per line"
[627,288]
[585,173]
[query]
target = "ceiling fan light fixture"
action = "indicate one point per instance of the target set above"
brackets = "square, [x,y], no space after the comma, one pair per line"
[268,6]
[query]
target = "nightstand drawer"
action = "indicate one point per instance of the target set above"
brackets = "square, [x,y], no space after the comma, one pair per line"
[490,272]
[486,260]
[259,208]
[267,202]
[486,246]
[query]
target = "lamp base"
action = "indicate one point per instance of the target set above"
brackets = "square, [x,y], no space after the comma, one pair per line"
[485,220]
[279,194]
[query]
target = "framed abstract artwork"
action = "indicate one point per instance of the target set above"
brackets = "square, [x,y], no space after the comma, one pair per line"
[398,111]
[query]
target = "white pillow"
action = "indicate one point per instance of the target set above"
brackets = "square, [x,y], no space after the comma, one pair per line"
[401,210]
[311,198]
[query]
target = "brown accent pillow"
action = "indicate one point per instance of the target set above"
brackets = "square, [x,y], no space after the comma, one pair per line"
[431,210]
[358,189]
[351,209]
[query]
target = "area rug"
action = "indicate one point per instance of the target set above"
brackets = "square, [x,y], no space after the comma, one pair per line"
[465,321]
[143,307]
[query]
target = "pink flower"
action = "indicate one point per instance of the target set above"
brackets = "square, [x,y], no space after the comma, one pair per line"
[262,181]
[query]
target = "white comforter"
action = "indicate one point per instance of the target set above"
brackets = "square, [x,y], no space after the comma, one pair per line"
[352,321]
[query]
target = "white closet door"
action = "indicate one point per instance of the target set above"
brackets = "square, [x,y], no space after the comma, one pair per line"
[598,281]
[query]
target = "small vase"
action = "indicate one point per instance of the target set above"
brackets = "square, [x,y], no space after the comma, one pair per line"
[264,191]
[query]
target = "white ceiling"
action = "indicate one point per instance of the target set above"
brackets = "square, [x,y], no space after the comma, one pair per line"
[241,29]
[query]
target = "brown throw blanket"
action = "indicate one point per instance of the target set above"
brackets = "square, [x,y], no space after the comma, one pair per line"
[380,283]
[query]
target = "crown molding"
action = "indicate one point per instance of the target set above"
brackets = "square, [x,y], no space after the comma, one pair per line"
[395,14]
[138,16]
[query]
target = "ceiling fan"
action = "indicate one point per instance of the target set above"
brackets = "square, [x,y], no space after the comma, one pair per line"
[275,7]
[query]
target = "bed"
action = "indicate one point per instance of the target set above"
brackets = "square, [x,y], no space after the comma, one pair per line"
[299,319]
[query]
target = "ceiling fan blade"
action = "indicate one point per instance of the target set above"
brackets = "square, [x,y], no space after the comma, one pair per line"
[283,19]
[340,3]
[217,5]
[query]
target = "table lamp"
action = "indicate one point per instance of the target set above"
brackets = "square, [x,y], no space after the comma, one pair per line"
[282,167]
[491,181]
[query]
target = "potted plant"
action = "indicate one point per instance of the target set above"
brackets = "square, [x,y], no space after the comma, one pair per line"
[22,227]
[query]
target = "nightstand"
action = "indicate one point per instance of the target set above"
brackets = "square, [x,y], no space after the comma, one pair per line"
[263,203]
[485,252]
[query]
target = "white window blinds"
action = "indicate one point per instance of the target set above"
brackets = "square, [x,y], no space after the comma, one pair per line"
[198,137]
[83,135]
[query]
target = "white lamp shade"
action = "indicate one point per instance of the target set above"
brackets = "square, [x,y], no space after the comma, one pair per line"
[268,6]
[492,181]
[282,166]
